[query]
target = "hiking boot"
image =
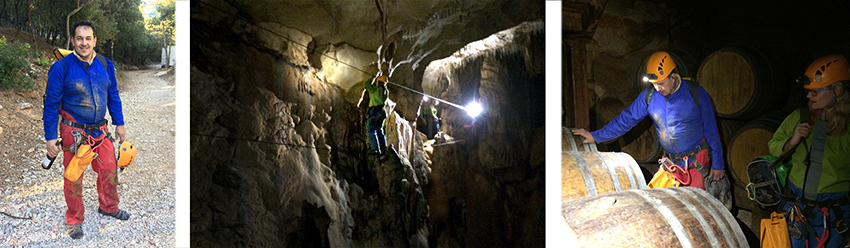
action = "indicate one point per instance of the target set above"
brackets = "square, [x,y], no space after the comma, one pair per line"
[120,214]
[75,231]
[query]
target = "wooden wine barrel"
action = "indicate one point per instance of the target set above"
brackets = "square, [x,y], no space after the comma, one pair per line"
[591,173]
[750,142]
[570,142]
[664,217]
[740,81]
[727,129]
[642,143]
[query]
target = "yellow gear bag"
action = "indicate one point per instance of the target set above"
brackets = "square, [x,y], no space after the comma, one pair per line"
[774,231]
[663,179]
[79,162]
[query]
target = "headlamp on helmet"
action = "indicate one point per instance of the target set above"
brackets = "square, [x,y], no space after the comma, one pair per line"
[649,77]
[803,80]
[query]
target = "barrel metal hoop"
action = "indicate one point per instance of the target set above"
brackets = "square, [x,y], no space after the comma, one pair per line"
[668,215]
[718,209]
[585,173]
[610,166]
[572,140]
[635,175]
[702,220]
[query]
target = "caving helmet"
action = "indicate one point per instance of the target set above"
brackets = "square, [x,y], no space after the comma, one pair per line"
[382,79]
[126,154]
[825,71]
[659,66]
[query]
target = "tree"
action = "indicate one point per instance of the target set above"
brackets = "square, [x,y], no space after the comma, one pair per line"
[68,21]
[162,25]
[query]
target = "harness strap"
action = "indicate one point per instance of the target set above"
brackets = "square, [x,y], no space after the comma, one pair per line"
[678,156]
[84,126]
[840,224]
[94,142]
[815,168]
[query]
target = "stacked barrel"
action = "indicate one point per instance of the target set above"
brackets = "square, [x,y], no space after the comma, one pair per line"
[604,193]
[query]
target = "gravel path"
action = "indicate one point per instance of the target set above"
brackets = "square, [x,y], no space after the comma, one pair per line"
[146,188]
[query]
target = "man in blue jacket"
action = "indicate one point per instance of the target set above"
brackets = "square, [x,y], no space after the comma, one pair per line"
[684,122]
[80,89]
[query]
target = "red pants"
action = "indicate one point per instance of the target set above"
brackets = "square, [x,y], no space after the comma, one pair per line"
[107,177]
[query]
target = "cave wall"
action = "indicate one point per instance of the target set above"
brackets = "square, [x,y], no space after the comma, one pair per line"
[278,145]
[342,37]
[485,191]
[279,156]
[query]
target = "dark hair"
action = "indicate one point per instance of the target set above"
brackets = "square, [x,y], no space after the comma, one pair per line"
[85,23]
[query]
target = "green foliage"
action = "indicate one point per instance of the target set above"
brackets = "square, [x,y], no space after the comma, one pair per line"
[121,32]
[42,59]
[14,66]
[162,24]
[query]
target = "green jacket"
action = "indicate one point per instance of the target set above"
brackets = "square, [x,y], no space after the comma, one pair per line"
[428,110]
[836,156]
[377,94]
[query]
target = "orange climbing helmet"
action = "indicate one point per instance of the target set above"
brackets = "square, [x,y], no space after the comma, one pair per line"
[126,154]
[382,79]
[658,67]
[825,71]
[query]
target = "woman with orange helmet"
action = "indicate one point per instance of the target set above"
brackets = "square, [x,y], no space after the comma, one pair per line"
[819,178]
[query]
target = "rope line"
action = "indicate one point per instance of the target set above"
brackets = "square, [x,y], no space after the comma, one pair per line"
[259,141]
[330,57]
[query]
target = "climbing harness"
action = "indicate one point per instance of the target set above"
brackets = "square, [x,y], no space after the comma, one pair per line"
[83,147]
[665,178]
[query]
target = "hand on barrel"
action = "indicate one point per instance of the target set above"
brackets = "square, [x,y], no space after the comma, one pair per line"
[584,133]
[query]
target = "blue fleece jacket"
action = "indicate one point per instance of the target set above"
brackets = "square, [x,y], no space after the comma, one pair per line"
[679,123]
[85,91]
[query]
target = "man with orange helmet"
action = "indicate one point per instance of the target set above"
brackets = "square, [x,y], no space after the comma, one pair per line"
[820,162]
[684,122]
[80,89]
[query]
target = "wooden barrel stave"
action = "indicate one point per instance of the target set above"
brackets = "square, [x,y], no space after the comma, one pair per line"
[669,217]
[591,173]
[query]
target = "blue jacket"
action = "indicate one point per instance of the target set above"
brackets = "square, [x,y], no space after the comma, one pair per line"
[84,91]
[679,123]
